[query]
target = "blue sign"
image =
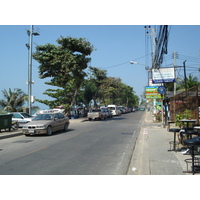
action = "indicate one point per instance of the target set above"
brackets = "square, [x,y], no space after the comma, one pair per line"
[161,89]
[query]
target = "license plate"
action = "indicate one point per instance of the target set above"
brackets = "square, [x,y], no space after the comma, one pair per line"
[31,131]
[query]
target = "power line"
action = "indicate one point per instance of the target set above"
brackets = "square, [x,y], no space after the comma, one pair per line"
[189,58]
[161,46]
[126,62]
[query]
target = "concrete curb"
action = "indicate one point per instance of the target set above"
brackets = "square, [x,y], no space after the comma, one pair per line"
[9,135]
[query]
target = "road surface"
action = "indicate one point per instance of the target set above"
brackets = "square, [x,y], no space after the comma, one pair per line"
[87,148]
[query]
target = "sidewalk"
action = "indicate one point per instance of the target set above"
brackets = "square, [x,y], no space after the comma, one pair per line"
[14,133]
[151,155]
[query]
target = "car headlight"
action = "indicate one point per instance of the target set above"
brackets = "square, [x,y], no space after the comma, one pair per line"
[25,127]
[41,126]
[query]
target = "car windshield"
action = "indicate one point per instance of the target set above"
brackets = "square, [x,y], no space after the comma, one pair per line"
[96,110]
[26,115]
[44,117]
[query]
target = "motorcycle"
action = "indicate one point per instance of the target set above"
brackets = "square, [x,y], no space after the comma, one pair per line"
[15,125]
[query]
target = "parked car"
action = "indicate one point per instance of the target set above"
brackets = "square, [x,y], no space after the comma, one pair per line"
[96,114]
[46,124]
[107,111]
[134,109]
[115,110]
[122,109]
[21,117]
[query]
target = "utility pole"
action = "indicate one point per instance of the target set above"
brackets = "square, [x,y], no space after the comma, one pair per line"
[152,32]
[185,75]
[199,67]
[175,56]
[30,82]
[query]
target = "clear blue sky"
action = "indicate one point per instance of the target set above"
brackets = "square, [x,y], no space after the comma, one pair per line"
[115,47]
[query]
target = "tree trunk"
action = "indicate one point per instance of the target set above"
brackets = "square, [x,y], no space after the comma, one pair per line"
[74,98]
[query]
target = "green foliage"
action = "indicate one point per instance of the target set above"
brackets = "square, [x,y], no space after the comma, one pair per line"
[158,116]
[185,115]
[13,100]
[65,65]
[89,92]
[191,81]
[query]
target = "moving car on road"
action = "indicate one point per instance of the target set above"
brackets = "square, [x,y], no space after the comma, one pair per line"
[46,124]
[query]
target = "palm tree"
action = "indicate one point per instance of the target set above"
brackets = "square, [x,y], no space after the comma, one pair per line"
[191,81]
[13,100]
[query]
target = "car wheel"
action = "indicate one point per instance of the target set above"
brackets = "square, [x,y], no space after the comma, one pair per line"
[66,126]
[49,130]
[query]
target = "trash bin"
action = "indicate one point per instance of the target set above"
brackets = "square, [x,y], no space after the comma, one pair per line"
[5,121]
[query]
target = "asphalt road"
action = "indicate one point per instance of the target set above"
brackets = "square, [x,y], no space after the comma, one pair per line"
[87,148]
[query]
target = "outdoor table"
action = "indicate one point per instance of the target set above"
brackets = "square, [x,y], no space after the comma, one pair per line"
[169,123]
[188,121]
[197,127]
[174,130]
[188,130]
[193,142]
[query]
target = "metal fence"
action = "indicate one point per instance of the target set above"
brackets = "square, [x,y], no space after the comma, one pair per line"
[187,100]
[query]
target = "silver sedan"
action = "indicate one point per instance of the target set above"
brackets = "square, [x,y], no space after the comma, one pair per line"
[46,124]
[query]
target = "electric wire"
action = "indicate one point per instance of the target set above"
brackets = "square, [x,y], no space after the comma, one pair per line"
[124,62]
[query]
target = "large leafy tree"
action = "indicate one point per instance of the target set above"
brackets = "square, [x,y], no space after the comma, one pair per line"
[89,92]
[13,100]
[113,91]
[64,64]
[97,76]
[105,90]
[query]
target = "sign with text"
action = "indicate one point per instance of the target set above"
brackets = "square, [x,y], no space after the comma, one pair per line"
[151,83]
[152,92]
[163,75]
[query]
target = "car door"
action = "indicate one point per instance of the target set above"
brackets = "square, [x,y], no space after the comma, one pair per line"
[62,121]
[57,122]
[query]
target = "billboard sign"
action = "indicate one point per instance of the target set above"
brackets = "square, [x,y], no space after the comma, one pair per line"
[163,75]
[151,83]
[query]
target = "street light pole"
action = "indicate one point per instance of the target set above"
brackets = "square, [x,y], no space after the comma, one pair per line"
[30,82]
[30,69]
